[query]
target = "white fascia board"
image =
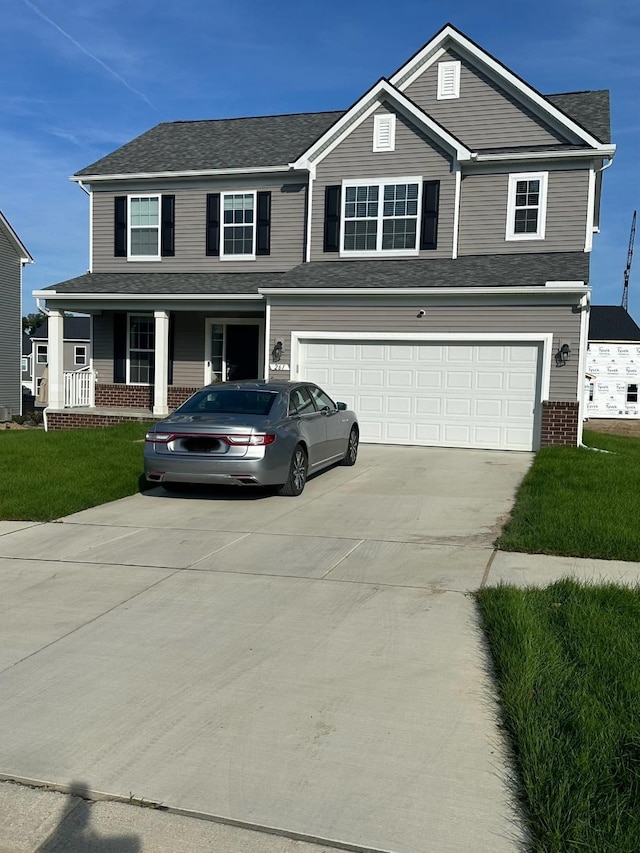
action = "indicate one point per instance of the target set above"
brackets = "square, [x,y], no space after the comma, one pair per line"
[578,288]
[21,249]
[157,297]
[189,173]
[498,69]
[370,101]
[605,151]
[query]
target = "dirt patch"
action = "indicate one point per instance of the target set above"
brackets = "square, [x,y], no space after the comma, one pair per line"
[614,427]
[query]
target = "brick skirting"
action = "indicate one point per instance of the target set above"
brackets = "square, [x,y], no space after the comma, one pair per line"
[559,424]
[120,396]
[81,420]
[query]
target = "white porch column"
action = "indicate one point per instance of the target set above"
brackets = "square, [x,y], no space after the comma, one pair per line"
[160,397]
[55,353]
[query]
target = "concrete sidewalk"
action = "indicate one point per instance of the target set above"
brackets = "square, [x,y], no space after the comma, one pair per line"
[311,667]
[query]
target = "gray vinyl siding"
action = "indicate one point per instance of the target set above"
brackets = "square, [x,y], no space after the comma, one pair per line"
[483,215]
[68,356]
[10,326]
[103,347]
[484,116]
[288,215]
[415,155]
[558,319]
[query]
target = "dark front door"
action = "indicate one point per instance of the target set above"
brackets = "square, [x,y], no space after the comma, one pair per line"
[242,343]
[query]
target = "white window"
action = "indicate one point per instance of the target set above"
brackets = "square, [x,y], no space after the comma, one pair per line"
[141,350]
[527,206]
[448,80]
[39,382]
[380,217]
[144,227]
[384,133]
[42,353]
[238,226]
[24,364]
[80,355]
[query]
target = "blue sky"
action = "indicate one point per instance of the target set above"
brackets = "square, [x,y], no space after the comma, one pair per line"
[82,78]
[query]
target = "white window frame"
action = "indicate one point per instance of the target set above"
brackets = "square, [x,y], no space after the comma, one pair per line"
[130,227]
[138,349]
[223,255]
[379,122]
[39,381]
[539,234]
[446,92]
[379,252]
[24,364]
[42,349]
[76,352]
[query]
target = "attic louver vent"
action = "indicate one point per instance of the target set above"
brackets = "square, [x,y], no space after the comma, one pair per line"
[448,80]
[384,133]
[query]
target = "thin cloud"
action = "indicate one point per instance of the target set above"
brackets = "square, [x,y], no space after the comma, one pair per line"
[77,44]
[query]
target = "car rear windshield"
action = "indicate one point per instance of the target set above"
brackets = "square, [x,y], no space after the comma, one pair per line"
[231,402]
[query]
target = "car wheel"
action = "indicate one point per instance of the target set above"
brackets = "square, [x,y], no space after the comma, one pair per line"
[352,448]
[297,474]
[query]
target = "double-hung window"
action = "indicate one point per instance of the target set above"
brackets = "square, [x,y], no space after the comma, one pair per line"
[527,206]
[144,226]
[238,226]
[42,353]
[80,355]
[381,217]
[141,349]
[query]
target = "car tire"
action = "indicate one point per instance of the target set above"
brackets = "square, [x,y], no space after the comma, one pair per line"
[297,474]
[351,455]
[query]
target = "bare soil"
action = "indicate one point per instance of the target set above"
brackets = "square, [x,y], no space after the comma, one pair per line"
[626,426]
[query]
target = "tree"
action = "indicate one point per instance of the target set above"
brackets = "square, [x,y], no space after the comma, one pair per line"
[31,322]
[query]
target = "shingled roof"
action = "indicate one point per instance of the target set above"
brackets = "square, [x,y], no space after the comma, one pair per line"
[612,323]
[262,141]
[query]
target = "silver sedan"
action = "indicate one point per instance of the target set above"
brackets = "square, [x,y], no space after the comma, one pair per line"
[251,434]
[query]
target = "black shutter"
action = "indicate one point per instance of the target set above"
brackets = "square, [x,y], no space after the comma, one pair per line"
[167,230]
[120,347]
[332,197]
[120,226]
[172,343]
[213,223]
[263,224]
[430,199]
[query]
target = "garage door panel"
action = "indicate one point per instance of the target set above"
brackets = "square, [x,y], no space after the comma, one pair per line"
[459,394]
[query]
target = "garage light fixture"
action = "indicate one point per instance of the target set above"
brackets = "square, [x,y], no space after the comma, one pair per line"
[562,356]
[276,352]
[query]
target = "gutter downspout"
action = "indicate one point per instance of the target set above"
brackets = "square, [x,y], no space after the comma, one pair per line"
[585,308]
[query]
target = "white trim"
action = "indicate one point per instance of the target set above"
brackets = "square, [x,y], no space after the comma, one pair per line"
[448,87]
[384,131]
[85,362]
[539,234]
[585,307]
[569,154]
[456,211]
[131,314]
[46,353]
[231,257]
[136,196]
[160,363]
[591,202]
[168,297]
[24,364]
[422,60]
[267,340]
[381,183]
[544,338]
[19,246]
[577,288]
[90,232]
[309,217]
[188,173]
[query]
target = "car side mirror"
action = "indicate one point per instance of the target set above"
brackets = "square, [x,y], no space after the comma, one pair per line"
[342,407]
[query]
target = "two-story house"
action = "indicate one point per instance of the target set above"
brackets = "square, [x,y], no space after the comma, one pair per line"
[76,332]
[13,257]
[423,255]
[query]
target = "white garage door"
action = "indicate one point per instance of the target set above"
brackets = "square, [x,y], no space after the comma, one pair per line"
[436,394]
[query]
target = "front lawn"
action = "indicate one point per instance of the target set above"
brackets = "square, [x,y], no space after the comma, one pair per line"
[46,475]
[567,664]
[580,503]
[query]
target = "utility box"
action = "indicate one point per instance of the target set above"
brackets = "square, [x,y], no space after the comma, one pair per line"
[5,414]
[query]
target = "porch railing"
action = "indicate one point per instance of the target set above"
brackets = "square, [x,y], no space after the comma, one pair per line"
[79,388]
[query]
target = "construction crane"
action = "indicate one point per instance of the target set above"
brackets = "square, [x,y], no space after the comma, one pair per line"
[627,271]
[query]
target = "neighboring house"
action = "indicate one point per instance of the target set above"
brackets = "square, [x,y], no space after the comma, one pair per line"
[26,368]
[423,255]
[613,364]
[13,257]
[76,350]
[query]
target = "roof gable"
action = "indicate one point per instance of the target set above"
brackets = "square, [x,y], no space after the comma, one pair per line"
[15,241]
[612,323]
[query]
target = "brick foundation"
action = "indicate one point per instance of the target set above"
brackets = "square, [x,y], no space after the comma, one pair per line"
[81,420]
[120,396]
[559,424]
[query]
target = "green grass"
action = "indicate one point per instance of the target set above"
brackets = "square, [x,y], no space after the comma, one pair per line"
[581,503]
[46,475]
[567,663]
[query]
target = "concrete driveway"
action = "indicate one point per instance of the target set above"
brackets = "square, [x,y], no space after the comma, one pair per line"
[307,664]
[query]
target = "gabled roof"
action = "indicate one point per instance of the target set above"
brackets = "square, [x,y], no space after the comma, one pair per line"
[19,246]
[612,323]
[74,329]
[590,109]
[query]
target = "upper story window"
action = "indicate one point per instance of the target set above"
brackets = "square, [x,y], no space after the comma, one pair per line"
[42,353]
[144,226]
[448,80]
[80,355]
[238,225]
[381,216]
[384,132]
[527,206]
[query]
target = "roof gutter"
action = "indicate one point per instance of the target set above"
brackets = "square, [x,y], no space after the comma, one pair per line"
[173,297]
[603,151]
[189,173]
[578,288]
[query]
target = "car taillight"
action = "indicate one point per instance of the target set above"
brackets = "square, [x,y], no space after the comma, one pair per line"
[158,436]
[253,439]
